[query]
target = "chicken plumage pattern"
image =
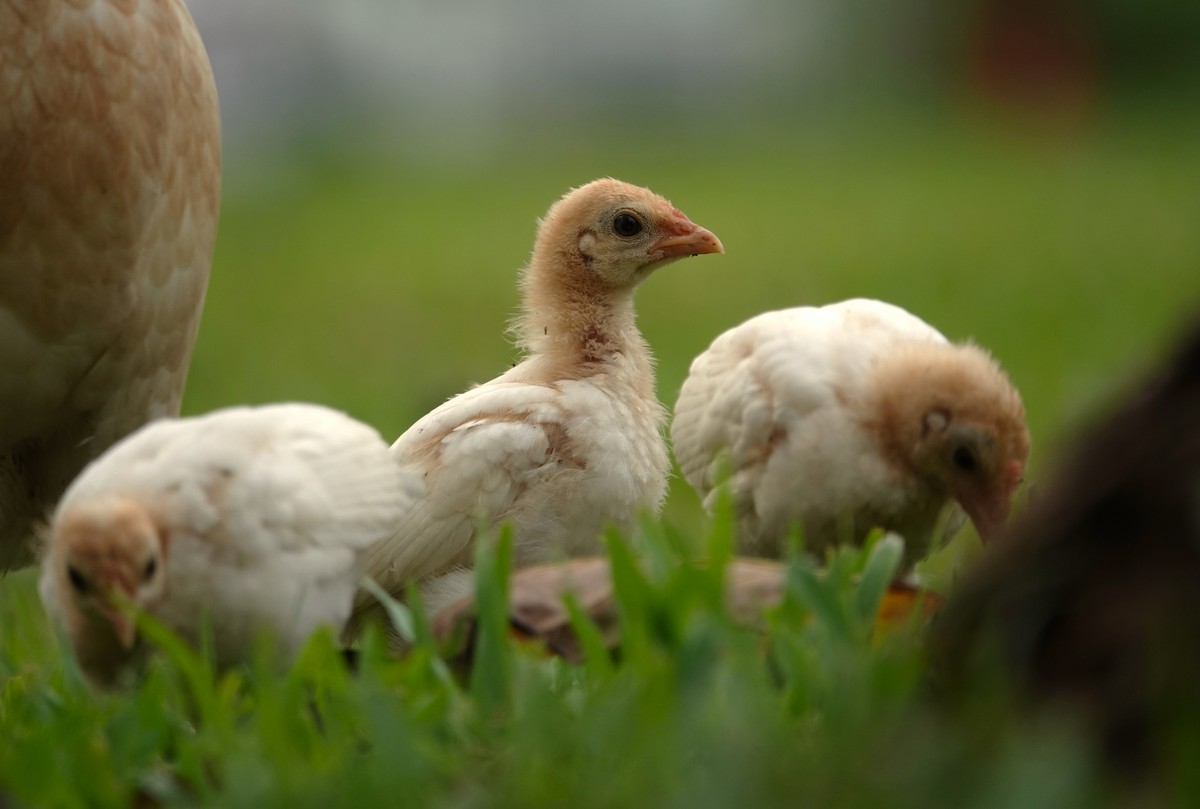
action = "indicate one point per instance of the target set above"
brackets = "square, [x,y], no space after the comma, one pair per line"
[109,190]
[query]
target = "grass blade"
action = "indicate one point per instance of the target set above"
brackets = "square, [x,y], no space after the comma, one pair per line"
[877,576]
[398,614]
[491,672]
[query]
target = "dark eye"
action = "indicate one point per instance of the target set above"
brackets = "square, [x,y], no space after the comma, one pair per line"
[964,459]
[77,580]
[151,566]
[626,225]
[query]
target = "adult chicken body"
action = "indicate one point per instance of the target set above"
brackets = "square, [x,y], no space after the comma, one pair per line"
[568,440]
[845,417]
[109,189]
[255,519]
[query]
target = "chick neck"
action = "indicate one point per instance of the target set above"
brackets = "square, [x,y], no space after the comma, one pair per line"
[579,324]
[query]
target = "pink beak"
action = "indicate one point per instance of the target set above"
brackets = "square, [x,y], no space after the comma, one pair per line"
[989,517]
[989,512]
[685,238]
[117,609]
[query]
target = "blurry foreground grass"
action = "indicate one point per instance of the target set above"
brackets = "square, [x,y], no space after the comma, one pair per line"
[696,712]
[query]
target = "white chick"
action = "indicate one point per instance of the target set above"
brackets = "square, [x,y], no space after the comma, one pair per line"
[845,417]
[568,440]
[250,519]
[110,171]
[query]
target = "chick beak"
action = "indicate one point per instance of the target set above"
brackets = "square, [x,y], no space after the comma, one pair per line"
[117,610]
[988,509]
[988,516]
[685,238]
[122,624]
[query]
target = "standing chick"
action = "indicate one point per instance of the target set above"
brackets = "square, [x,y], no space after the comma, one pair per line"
[846,417]
[255,518]
[110,166]
[568,440]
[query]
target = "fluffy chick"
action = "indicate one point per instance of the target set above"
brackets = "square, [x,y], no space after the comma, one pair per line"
[110,165]
[568,440]
[846,417]
[250,519]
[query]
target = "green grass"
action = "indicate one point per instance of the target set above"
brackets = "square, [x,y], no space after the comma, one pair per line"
[696,712]
[381,285]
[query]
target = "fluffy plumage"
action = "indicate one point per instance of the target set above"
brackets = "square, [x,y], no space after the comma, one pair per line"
[109,185]
[570,439]
[258,518]
[846,417]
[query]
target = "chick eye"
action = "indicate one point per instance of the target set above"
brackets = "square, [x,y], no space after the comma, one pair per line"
[151,566]
[964,459]
[77,580]
[626,225]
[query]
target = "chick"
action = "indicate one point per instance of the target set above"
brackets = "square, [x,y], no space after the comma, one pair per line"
[249,519]
[846,417]
[110,165]
[568,440]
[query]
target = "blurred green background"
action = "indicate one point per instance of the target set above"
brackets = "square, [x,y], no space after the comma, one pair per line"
[1024,175]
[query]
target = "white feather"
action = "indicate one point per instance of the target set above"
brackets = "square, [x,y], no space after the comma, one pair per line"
[559,461]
